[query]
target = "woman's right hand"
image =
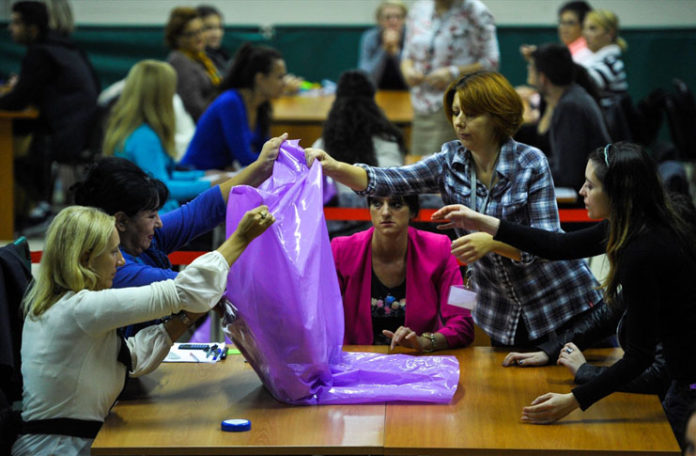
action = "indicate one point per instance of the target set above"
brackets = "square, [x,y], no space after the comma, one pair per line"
[460,216]
[328,163]
[538,358]
[254,223]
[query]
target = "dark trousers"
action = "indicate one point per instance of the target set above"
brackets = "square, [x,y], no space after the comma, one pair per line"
[678,402]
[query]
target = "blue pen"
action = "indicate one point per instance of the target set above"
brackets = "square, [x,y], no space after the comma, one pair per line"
[217,353]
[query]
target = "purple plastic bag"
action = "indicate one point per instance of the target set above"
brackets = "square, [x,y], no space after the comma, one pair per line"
[285,312]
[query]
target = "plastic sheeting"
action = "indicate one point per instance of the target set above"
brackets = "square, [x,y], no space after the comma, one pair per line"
[285,312]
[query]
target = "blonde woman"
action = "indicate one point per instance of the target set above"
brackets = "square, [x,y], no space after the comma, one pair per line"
[606,66]
[141,129]
[74,363]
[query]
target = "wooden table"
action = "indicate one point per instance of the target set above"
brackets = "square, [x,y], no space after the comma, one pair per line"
[7,169]
[182,405]
[484,417]
[303,116]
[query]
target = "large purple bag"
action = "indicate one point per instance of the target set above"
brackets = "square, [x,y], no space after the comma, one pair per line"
[285,312]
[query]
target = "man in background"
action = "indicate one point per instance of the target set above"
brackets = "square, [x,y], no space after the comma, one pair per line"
[574,121]
[56,78]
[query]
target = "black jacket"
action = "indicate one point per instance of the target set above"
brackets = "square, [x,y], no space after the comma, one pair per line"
[58,79]
[599,323]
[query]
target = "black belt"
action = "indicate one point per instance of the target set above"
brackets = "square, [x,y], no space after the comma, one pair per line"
[85,429]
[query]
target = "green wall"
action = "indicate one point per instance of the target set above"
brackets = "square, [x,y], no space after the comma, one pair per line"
[653,58]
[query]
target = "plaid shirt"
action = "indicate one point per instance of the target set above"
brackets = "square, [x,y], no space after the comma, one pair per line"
[545,294]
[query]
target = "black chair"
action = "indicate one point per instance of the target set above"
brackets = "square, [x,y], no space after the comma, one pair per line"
[681,119]
[15,275]
[619,114]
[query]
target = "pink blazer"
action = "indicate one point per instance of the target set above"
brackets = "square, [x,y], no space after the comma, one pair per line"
[430,271]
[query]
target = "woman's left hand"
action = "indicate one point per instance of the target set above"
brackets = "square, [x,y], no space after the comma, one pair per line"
[548,408]
[472,247]
[406,337]
[571,357]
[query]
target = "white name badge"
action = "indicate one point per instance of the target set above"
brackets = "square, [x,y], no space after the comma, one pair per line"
[460,296]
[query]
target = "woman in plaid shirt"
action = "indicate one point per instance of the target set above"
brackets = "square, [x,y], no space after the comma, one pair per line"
[522,299]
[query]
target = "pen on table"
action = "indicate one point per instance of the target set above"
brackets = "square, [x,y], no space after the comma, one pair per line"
[218,352]
[224,353]
[194,357]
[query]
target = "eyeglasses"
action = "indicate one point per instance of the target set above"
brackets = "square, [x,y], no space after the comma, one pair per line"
[568,23]
[192,33]
[606,154]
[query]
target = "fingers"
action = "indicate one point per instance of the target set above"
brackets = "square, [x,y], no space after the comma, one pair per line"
[442,213]
[402,336]
[540,400]
[514,359]
[312,154]
[446,226]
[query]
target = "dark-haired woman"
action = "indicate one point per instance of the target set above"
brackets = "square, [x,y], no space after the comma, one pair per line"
[356,130]
[234,127]
[120,188]
[395,282]
[197,76]
[521,300]
[652,258]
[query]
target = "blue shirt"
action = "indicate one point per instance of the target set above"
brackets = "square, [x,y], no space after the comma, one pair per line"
[545,294]
[144,148]
[179,227]
[223,135]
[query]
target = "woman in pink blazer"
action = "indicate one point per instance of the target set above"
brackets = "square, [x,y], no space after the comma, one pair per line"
[395,282]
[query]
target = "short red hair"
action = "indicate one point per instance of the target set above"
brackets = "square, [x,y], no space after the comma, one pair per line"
[487,92]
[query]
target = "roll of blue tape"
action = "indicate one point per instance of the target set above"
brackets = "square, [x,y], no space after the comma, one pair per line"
[236,425]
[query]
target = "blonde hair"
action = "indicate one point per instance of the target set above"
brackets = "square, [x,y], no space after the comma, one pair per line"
[75,232]
[386,3]
[609,22]
[146,99]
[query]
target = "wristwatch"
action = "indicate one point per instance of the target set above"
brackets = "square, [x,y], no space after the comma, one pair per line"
[431,337]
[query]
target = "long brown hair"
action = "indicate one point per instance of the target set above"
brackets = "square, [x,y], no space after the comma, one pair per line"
[637,200]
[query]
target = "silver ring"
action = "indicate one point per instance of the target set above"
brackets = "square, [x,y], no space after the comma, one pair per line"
[568,350]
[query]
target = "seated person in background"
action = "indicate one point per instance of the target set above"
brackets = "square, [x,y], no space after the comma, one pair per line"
[233,129]
[395,282]
[198,77]
[571,16]
[606,66]
[122,189]
[356,130]
[57,78]
[141,128]
[572,117]
[652,256]
[381,46]
[78,375]
[213,32]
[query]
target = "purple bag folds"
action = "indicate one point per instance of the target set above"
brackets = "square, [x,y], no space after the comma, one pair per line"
[285,312]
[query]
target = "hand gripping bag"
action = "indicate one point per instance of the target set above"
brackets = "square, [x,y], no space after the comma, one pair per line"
[284,309]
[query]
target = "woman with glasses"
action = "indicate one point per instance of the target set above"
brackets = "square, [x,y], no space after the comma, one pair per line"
[522,300]
[652,257]
[197,75]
